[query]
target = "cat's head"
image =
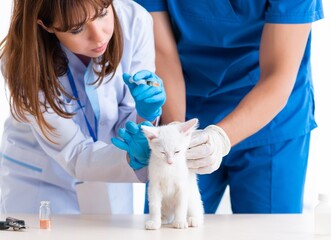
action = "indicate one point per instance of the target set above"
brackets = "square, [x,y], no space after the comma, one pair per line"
[170,142]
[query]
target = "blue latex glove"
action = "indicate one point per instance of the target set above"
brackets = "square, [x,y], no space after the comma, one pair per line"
[135,143]
[149,99]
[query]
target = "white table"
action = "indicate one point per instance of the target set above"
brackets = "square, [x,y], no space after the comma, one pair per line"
[131,227]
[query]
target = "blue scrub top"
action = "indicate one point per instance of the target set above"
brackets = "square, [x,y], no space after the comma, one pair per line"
[218,43]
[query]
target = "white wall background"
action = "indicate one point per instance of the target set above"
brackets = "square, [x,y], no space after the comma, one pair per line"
[5,11]
[319,169]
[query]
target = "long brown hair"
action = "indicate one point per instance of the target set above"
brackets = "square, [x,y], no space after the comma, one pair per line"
[32,59]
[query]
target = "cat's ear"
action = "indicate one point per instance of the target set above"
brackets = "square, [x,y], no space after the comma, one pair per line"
[150,132]
[189,126]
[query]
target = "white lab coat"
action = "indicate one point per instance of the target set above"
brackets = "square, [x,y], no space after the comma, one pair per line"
[34,169]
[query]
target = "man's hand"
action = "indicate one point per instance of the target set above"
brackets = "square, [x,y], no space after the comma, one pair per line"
[207,148]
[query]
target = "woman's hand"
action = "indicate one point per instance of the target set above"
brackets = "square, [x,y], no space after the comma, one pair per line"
[148,92]
[135,143]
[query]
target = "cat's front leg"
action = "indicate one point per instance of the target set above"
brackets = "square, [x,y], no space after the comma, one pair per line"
[154,203]
[195,206]
[181,202]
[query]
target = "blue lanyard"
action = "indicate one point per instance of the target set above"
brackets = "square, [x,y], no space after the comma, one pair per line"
[75,93]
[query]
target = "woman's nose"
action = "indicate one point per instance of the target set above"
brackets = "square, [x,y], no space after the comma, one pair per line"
[95,32]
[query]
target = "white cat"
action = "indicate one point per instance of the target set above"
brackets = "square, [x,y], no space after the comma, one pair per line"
[173,193]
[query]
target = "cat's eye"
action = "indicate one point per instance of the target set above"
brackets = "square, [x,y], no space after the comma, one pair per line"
[177,151]
[163,153]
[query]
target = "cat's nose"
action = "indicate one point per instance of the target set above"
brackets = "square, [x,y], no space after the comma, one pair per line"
[170,161]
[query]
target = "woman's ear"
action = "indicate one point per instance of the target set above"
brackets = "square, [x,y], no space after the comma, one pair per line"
[44,27]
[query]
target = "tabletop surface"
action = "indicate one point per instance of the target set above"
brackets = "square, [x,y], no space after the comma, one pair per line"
[220,227]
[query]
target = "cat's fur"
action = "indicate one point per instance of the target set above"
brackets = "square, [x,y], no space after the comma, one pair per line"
[173,192]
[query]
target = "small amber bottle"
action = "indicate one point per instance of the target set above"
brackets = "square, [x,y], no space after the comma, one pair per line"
[45,215]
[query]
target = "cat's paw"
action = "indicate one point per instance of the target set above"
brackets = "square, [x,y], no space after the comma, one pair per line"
[152,225]
[179,224]
[165,220]
[194,222]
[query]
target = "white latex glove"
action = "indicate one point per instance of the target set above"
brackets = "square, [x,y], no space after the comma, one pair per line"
[207,148]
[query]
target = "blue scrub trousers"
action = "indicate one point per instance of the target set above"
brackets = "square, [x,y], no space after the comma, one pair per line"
[264,179]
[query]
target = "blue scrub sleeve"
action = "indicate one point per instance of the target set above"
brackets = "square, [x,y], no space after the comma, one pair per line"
[294,11]
[153,5]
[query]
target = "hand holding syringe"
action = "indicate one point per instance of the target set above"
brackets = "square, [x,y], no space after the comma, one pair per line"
[148,93]
[144,81]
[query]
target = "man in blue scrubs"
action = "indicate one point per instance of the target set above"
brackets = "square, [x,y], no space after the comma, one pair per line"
[246,69]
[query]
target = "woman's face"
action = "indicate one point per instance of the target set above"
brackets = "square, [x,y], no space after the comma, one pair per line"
[90,40]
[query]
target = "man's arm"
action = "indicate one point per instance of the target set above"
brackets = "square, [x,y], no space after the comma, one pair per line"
[168,68]
[281,50]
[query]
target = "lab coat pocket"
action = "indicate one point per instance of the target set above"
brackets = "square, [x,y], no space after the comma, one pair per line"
[22,170]
[24,162]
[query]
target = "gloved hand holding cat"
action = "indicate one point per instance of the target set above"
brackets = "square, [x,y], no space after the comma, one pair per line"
[135,143]
[207,148]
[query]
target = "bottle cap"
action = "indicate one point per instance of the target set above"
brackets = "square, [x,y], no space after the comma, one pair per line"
[324,197]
